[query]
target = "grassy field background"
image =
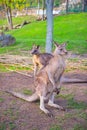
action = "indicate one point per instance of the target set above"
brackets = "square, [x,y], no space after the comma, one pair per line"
[71,27]
[17,114]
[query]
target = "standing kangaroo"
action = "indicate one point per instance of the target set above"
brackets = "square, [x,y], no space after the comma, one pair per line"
[39,59]
[48,80]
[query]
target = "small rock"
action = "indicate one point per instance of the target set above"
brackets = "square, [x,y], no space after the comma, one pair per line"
[6,39]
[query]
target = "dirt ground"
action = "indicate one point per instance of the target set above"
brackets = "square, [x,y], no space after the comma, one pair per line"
[17,114]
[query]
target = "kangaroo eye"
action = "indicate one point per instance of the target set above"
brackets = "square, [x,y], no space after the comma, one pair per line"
[35,50]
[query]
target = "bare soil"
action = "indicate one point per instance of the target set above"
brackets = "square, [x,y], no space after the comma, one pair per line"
[23,115]
[17,114]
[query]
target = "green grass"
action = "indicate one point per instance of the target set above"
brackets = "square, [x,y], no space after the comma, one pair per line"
[27,92]
[1,100]
[15,67]
[2,68]
[18,20]
[79,127]
[71,102]
[56,128]
[10,125]
[2,126]
[71,27]
[76,105]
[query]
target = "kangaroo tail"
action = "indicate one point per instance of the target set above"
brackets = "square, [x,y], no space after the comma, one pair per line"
[31,98]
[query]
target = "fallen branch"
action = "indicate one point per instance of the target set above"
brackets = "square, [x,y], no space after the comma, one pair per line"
[20,73]
[64,80]
[24,74]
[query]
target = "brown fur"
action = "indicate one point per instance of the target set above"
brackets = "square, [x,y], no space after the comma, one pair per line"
[48,80]
[39,59]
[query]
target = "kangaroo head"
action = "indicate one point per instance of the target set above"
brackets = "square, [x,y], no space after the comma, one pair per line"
[60,49]
[35,49]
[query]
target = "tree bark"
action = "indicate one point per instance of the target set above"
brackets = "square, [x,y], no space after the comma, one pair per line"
[67,5]
[38,7]
[9,16]
[49,36]
[84,4]
[43,7]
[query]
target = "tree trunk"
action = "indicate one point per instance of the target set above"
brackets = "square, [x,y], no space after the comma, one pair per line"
[49,36]
[9,16]
[38,7]
[43,7]
[84,4]
[67,5]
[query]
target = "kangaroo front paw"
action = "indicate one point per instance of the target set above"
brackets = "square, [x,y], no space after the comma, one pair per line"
[62,108]
[50,114]
[57,90]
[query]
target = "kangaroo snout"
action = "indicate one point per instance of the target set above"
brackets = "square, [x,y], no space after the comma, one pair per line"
[66,52]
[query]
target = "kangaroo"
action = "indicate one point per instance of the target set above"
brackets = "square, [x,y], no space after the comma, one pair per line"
[48,80]
[39,59]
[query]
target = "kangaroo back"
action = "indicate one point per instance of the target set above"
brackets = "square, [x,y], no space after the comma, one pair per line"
[39,59]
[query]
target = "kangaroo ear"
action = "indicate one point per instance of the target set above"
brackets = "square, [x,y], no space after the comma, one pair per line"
[64,44]
[56,44]
[38,46]
[33,45]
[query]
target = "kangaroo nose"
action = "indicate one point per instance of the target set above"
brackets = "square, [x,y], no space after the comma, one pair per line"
[66,52]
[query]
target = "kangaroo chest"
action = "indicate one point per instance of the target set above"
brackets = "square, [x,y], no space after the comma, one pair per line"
[58,65]
[59,68]
[36,60]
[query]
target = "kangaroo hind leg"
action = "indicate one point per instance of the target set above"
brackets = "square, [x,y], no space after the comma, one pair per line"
[52,104]
[42,107]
